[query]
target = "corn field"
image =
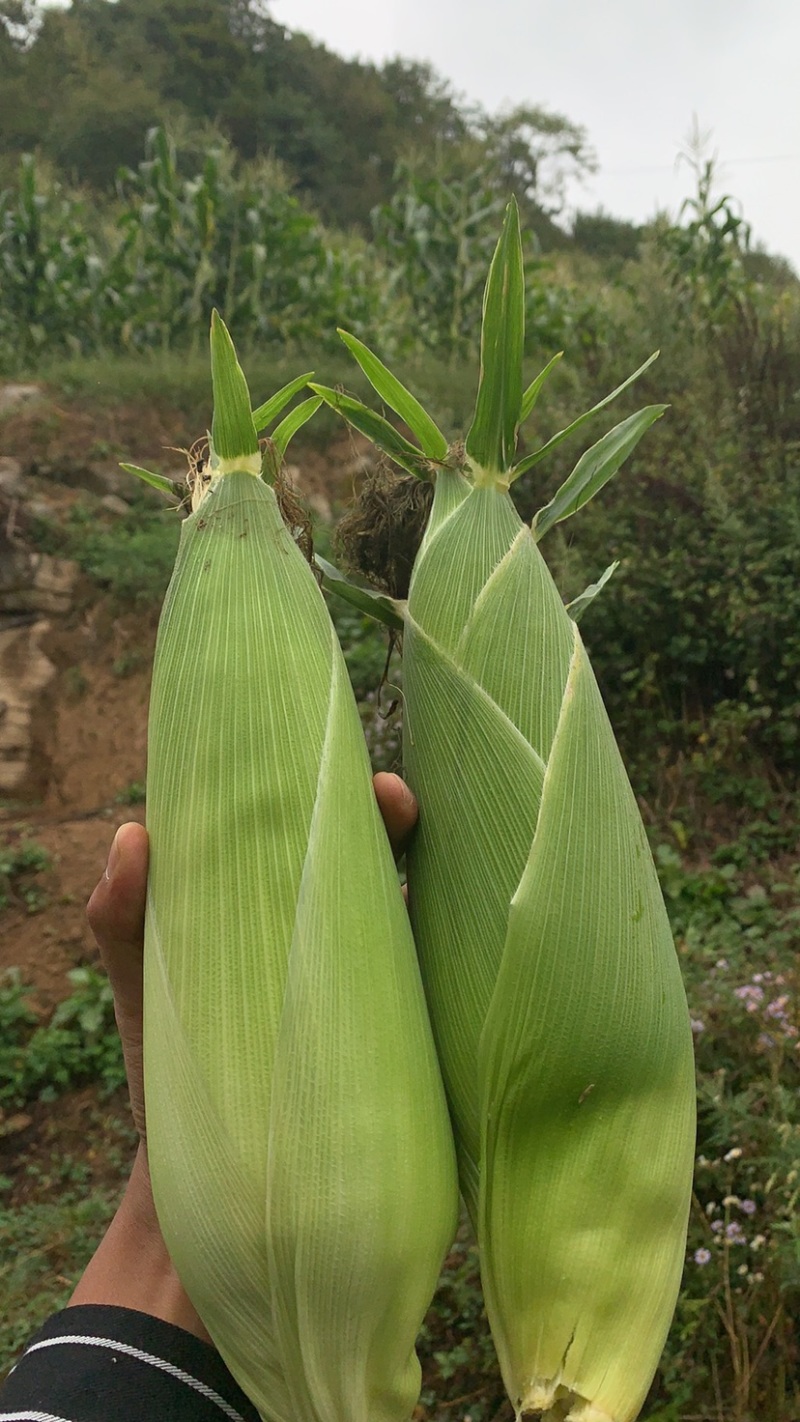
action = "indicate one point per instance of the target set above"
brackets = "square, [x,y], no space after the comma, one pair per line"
[144,270]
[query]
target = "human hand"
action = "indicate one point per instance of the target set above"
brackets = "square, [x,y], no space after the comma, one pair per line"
[116,917]
[131,1267]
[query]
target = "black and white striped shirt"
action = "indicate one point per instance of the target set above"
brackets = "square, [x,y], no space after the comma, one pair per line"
[93,1363]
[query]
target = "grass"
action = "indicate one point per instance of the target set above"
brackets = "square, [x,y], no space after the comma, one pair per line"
[52,1217]
[45,1248]
[19,866]
[181,380]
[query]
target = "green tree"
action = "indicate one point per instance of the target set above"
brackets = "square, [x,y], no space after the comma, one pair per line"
[536,154]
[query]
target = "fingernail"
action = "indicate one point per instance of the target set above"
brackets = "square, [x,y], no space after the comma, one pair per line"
[113,858]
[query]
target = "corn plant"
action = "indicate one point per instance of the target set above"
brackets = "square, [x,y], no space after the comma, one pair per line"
[549,967]
[300,1148]
[50,270]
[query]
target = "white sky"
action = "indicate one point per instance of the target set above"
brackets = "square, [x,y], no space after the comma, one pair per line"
[633,72]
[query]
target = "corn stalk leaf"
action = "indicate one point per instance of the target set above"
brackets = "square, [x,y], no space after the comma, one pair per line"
[376,428]
[398,398]
[578,606]
[532,393]
[270,410]
[595,467]
[156,481]
[532,459]
[233,433]
[492,438]
[383,608]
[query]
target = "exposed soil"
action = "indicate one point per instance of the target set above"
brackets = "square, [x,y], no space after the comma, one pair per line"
[97,752]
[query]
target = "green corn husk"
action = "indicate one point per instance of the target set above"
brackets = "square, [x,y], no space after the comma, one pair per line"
[550,972]
[299,1143]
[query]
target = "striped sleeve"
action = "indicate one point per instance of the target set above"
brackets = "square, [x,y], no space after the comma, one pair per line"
[94,1363]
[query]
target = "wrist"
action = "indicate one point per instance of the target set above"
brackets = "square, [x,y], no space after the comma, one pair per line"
[131,1267]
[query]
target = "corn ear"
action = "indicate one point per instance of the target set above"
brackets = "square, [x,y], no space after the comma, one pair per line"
[299,1143]
[549,967]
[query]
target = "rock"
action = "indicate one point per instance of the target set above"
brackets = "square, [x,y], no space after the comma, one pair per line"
[35,582]
[11,479]
[13,396]
[12,1125]
[30,584]
[39,508]
[114,504]
[25,673]
[70,473]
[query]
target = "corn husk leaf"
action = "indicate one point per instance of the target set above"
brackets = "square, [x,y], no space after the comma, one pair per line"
[376,428]
[532,460]
[155,481]
[578,606]
[270,410]
[492,438]
[534,390]
[384,609]
[595,467]
[233,433]
[398,398]
[587,1145]
[294,421]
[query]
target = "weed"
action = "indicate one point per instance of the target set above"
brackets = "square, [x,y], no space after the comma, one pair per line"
[75,683]
[79,1043]
[19,864]
[128,663]
[44,1248]
[133,794]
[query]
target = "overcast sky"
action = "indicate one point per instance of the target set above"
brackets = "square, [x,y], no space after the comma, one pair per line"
[633,72]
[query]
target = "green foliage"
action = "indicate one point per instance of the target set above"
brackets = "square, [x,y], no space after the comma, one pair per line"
[19,865]
[603,235]
[437,234]
[534,154]
[133,794]
[79,1043]
[84,85]
[131,558]
[696,640]
[736,1319]
[127,663]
